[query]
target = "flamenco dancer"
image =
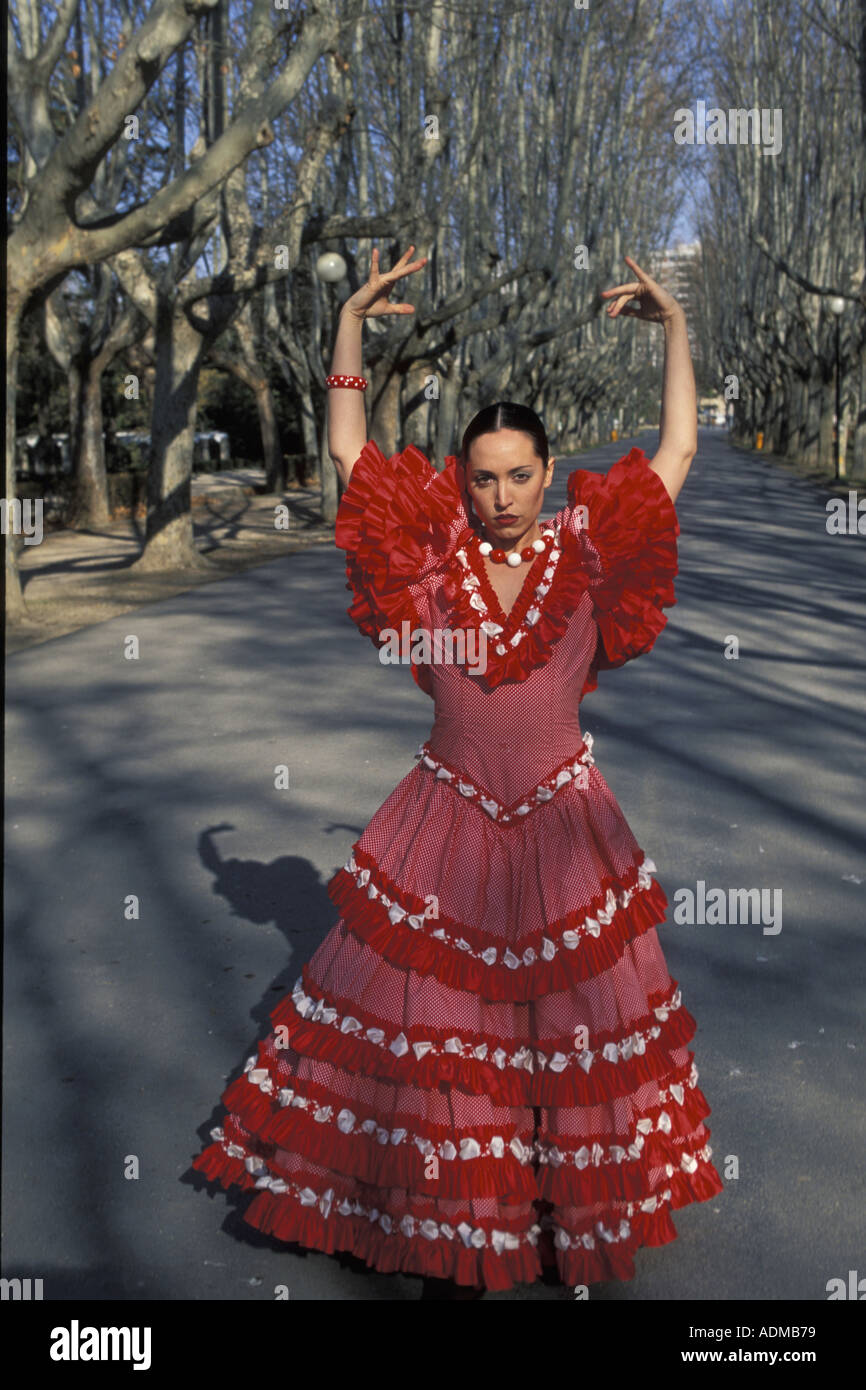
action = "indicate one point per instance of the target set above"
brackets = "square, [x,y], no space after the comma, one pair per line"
[482,1075]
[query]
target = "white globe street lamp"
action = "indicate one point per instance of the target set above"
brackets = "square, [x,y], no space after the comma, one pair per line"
[331,267]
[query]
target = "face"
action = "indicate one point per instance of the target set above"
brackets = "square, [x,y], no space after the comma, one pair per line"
[505,482]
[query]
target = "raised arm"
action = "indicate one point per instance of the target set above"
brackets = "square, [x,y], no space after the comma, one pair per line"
[347,418]
[678,422]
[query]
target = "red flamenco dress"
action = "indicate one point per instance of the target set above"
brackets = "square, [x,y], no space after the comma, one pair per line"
[483,1069]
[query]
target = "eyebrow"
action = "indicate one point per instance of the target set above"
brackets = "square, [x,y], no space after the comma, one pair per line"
[518,468]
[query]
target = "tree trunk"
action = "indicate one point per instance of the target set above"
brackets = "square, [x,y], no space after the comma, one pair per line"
[75,391]
[308,424]
[447,434]
[169,541]
[810,453]
[89,505]
[825,425]
[315,446]
[16,608]
[275,465]
[858,463]
[272,454]
[800,433]
[385,424]
[786,404]
[416,407]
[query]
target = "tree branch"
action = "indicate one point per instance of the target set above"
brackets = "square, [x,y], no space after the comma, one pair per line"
[808,285]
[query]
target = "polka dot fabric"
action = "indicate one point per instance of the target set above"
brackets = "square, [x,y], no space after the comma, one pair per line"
[484,1068]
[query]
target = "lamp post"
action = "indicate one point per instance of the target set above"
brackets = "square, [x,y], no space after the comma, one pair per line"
[836,305]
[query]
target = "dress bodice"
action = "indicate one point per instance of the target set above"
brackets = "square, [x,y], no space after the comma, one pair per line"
[509,737]
[507,702]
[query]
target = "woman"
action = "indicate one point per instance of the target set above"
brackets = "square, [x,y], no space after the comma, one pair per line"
[481,1076]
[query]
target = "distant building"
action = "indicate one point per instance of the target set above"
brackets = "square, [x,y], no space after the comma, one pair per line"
[676,270]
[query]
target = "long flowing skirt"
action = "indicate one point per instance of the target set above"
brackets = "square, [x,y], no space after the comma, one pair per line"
[484,1067]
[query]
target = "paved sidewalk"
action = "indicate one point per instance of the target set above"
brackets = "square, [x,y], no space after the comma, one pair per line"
[72,579]
[152,781]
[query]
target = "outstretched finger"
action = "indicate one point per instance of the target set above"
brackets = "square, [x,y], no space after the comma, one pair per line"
[619,306]
[399,262]
[622,289]
[644,275]
[409,269]
[399,269]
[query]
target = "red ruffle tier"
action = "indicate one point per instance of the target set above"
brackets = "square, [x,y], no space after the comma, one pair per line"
[282,1126]
[393,522]
[632,531]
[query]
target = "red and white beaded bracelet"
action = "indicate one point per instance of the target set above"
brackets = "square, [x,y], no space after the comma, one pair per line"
[357,383]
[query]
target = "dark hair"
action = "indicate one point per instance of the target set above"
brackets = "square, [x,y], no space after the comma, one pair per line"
[505,415]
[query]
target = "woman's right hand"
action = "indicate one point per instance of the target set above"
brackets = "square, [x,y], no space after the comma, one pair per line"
[371,300]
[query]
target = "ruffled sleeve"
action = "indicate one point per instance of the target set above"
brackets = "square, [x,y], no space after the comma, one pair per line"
[398,520]
[627,525]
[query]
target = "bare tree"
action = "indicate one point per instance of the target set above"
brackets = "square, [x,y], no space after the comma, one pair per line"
[190,313]
[85,347]
[48,239]
[782,234]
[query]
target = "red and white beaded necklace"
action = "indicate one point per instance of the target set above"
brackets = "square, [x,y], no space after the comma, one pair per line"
[529,552]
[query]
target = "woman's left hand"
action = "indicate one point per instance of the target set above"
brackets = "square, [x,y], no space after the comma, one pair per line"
[654,304]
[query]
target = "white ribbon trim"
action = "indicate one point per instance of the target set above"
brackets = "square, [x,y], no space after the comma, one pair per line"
[471,584]
[409,1226]
[525,1057]
[472,1237]
[569,939]
[577,772]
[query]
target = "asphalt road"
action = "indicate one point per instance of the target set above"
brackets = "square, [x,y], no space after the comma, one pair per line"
[154,777]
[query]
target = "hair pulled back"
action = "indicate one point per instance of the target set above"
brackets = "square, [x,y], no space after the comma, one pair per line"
[505,415]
